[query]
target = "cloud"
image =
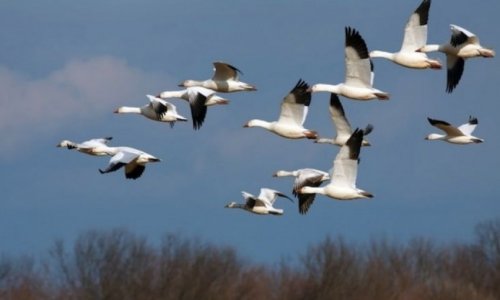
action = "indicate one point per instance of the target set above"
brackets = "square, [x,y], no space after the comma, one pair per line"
[82,90]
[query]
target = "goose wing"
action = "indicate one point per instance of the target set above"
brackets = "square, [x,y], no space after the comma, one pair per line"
[295,105]
[345,165]
[133,170]
[357,60]
[223,72]
[197,102]
[461,36]
[92,143]
[269,196]
[307,177]
[339,119]
[468,127]
[455,69]
[305,202]
[103,140]
[199,89]
[159,106]
[120,159]
[251,201]
[415,35]
[446,127]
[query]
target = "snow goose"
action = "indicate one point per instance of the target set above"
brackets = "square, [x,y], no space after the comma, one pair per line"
[342,184]
[132,159]
[293,113]
[455,135]
[304,177]
[157,109]
[199,98]
[358,84]
[261,205]
[463,44]
[97,147]
[225,80]
[341,124]
[415,37]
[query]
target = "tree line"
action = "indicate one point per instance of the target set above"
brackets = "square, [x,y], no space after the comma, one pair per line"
[118,264]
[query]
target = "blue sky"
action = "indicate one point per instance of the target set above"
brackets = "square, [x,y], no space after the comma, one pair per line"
[66,65]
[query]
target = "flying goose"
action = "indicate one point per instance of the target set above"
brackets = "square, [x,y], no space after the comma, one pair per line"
[199,98]
[455,135]
[157,110]
[293,113]
[342,184]
[304,177]
[97,147]
[415,37]
[341,124]
[224,80]
[358,84]
[463,44]
[132,159]
[263,204]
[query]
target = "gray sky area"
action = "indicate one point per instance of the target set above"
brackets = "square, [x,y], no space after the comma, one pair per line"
[65,66]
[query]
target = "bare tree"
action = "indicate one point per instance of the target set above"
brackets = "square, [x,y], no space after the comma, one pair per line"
[19,279]
[116,264]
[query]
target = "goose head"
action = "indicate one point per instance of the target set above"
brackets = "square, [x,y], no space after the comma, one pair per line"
[146,158]
[64,143]
[484,52]
[231,205]
[188,83]
[281,173]
[215,99]
[434,136]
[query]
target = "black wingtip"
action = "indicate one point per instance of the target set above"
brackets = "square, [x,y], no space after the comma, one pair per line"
[335,102]
[432,121]
[454,74]
[135,172]
[423,12]
[301,93]
[368,129]
[435,122]
[230,66]
[367,194]
[473,120]
[301,85]
[354,143]
[354,39]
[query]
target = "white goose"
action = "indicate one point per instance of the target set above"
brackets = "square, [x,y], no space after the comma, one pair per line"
[463,44]
[455,135]
[415,37]
[261,205]
[304,177]
[132,159]
[157,110]
[199,98]
[225,80]
[342,184]
[358,84]
[97,147]
[293,113]
[341,124]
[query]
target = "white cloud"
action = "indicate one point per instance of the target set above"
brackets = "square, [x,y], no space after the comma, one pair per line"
[82,89]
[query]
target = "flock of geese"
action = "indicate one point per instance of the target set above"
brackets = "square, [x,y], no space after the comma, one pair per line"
[358,85]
